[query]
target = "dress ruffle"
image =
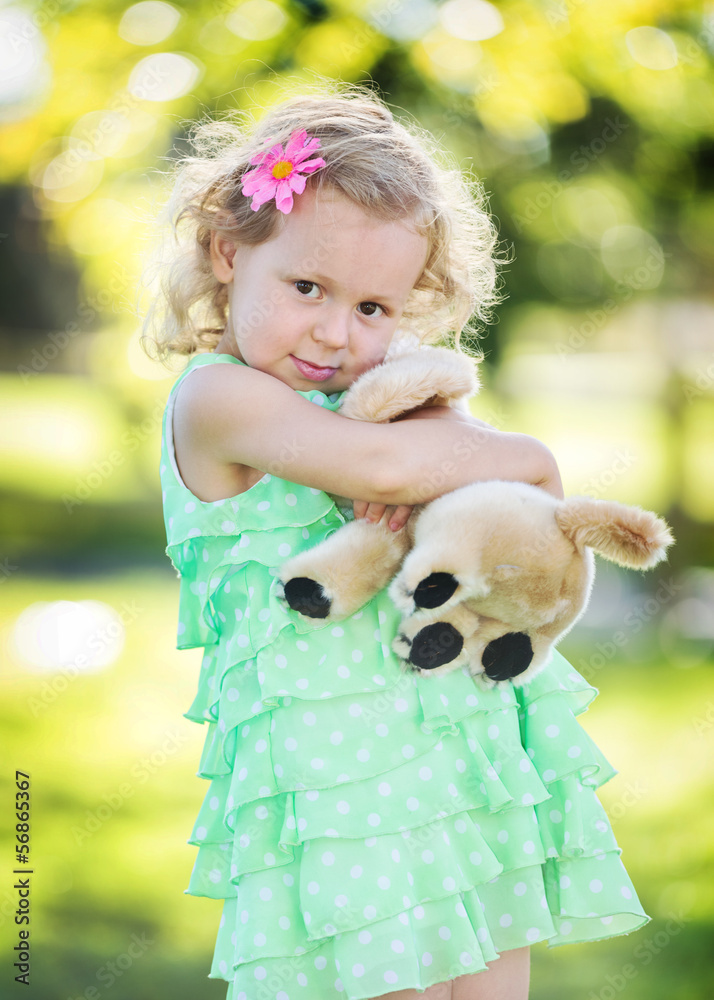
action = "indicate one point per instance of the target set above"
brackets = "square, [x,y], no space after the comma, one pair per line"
[508,807]
[499,817]
[368,828]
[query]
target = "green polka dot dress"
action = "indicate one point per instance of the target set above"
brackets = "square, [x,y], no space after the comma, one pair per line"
[369,829]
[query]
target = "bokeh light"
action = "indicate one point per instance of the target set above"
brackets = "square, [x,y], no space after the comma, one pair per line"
[404,22]
[148,23]
[72,175]
[103,132]
[25,75]
[632,255]
[82,635]
[164,76]
[651,48]
[583,212]
[473,20]
[256,20]
[454,61]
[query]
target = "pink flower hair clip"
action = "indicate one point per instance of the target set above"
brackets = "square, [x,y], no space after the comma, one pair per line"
[280,173]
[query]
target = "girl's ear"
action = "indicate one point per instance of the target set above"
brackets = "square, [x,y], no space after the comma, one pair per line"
[222,249]
[628,536]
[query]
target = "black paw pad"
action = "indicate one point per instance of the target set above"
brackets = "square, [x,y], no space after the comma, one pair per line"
[435,645]
[507,656]
[435,590]
[307,597]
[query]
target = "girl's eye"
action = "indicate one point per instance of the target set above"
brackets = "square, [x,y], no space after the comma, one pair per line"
[370,309]
[307,288]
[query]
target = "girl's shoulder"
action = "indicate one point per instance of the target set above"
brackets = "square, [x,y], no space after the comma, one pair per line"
[225,405]
[214,388]
[194,419]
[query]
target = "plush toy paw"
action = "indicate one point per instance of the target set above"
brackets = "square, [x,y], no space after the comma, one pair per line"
[412,592]
[343,572]
[307,597]
[441,644]
[433,646]
[337,577]
[435,590]
[492,650]
[436,642]
[508,656]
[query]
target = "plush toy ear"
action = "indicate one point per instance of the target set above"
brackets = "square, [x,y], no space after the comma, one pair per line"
[628,536]
[430,376]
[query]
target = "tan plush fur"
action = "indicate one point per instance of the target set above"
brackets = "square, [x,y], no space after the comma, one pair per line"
[522,561]
[628,536]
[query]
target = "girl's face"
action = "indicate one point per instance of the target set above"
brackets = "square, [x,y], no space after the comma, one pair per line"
[317,305]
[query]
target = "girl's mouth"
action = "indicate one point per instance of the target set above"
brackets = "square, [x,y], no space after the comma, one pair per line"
[313,372]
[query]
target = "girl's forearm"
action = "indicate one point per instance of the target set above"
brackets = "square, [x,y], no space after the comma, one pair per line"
[447,451]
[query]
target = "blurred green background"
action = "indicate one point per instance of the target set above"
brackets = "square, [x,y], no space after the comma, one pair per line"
[591,125]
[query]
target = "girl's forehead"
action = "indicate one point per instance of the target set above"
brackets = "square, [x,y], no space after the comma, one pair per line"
[327,214]
[334,232]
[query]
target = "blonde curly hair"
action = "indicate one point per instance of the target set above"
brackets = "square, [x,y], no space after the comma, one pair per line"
[388,169]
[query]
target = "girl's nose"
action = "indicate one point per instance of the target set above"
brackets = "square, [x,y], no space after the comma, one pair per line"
[333,328]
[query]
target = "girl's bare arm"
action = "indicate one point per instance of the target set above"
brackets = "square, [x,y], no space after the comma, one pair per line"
[243,416]
[552,483]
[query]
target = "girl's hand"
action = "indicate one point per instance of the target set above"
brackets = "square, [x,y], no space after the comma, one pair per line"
[395,516]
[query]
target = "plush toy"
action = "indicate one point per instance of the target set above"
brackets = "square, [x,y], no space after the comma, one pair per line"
[500,571]
[489,576]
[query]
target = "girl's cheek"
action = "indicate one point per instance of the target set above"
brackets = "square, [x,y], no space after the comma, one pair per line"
[366,366]
[375,353]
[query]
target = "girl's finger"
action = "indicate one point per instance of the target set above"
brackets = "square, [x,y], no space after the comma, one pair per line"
[400,517]
[375,511]
[360,508]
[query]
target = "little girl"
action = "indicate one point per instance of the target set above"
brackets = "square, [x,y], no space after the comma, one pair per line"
[373,833]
